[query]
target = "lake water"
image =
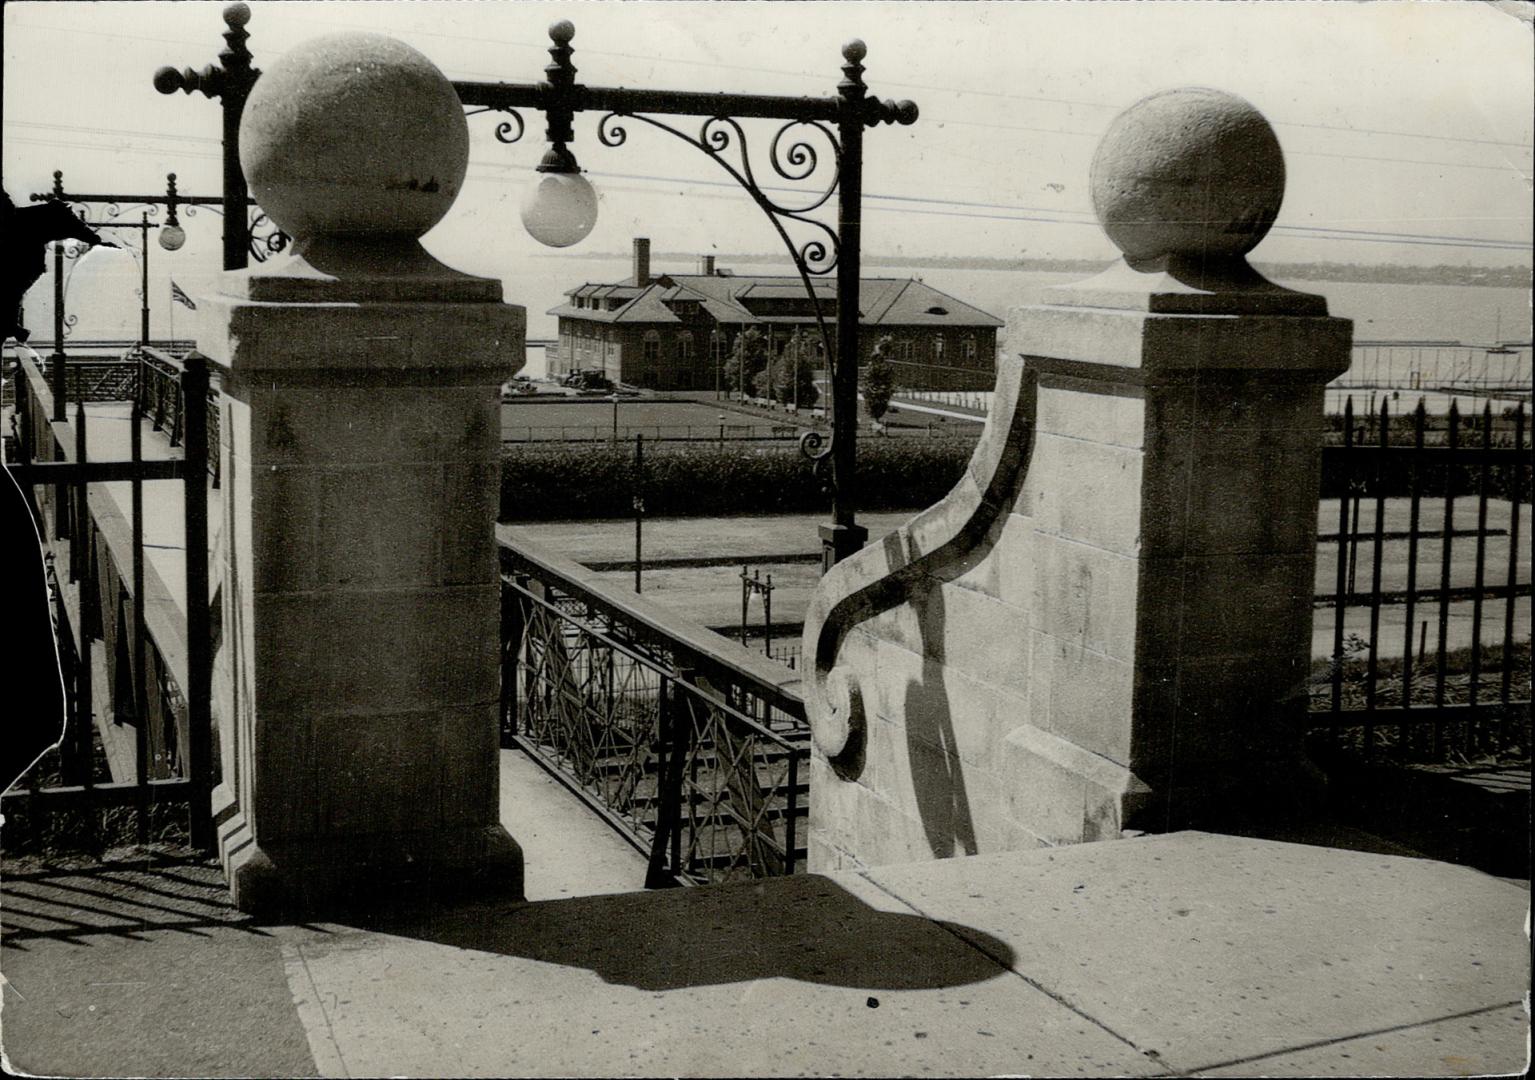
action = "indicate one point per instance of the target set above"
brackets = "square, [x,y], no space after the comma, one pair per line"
[103,292]
[1380,312]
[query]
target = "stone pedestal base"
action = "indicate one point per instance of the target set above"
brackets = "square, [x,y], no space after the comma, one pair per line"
[840,541]
[1063,794]
[291,880]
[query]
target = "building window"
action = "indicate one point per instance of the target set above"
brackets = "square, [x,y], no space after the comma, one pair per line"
[970,352]
[652,351]
[685,346]
[903,350]
[938,345]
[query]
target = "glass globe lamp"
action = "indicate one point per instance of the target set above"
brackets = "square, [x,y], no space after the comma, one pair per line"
[172,237]
[560,208]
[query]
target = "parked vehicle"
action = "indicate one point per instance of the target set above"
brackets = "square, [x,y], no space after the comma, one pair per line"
[519,384]
[588,379]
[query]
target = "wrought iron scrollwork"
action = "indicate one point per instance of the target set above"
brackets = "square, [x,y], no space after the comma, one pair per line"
[793,156]
[117,210]
[797,160]
[816,447]
[266,239]
[504,130]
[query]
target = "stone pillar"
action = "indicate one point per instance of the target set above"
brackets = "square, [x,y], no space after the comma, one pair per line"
[1107,624]
[357,684]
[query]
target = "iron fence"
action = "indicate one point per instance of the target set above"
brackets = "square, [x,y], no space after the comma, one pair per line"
[1425,365]
[786,653]
[913,377]
[694,757]
[152,670]
[718,434]
[1382,690]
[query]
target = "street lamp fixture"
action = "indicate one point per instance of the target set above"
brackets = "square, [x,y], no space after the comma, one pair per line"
[171,238]
[172,235]
[560,209]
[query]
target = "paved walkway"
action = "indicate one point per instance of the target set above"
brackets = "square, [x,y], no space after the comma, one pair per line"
[550,823]
[1188,954]
[710,595]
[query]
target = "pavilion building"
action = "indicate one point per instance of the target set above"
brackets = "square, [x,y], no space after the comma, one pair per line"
[677,331]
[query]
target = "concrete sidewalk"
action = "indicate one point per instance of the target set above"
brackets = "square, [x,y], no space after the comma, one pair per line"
[1175,955]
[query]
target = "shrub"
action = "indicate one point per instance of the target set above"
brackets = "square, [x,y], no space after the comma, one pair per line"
[878,380]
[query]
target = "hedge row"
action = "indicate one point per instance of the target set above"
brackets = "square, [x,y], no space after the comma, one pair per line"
[562,482]
[554,482]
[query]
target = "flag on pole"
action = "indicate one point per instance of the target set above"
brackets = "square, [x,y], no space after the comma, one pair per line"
[178,294]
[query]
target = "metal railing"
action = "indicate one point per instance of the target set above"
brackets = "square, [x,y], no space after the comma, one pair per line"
[1383,690]
[153,662]
[158,391]
[693,749]
[694,433]
[913,376]
[1426,365]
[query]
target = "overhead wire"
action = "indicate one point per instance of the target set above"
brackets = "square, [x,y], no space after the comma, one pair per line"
[688,61]
[961,208]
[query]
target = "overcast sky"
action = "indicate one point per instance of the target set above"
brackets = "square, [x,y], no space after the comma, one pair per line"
[1405,124]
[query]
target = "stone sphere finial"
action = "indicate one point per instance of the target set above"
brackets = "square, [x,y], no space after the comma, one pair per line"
[1189,172]
[854,51]
[562,32]
[354,135]
[237,15]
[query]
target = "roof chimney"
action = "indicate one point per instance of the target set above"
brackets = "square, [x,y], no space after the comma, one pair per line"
[706,265]
[641,261]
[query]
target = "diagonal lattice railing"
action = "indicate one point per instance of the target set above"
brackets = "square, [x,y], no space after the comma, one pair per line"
[695,763]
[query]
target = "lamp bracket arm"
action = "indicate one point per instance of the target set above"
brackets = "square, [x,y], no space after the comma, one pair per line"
[796,161]
[627,101]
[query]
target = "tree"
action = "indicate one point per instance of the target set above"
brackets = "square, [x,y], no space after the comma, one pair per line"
[778,378]
[878,380]
[747,358]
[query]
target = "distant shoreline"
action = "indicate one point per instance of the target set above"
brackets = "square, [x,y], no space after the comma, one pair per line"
[1505,277]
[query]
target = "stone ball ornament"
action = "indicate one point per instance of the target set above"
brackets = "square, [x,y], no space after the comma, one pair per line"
[352,135]
[1192,172]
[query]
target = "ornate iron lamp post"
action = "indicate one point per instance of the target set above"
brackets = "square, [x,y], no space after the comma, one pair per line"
[231,84]
[561,208]
[172,237]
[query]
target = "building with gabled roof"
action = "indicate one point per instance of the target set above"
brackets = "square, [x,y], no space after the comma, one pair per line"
[677,331]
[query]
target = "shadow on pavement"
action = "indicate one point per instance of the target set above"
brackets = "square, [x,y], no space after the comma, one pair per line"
[141,968]
[82,904]
[804,927]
